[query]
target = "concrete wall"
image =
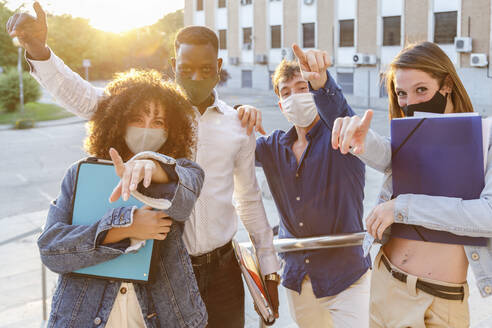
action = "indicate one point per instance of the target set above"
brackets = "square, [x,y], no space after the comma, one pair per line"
[188,12]
[416,20]
[325,31]
[290,28]
[478,11]
[367,13]
[260,30]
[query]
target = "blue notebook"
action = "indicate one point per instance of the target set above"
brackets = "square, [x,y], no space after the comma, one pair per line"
[437,156]
[95,182]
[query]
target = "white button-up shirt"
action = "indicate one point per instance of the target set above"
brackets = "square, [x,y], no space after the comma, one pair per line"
[224,151]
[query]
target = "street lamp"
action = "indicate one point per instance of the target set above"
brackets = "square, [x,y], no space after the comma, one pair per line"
[22,123]
[19,69]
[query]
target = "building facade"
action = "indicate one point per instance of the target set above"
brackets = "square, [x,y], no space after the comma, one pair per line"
[361,37]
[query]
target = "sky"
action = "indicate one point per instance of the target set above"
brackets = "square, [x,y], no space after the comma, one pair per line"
[108,15]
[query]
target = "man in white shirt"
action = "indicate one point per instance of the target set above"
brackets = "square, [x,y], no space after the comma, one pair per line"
[224,151]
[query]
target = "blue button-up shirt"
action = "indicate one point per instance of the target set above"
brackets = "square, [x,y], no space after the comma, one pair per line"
[320,195]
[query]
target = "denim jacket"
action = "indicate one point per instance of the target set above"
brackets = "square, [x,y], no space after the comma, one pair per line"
[171,300]
[461,217]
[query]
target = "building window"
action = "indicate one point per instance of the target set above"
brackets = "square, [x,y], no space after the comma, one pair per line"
[199,5]
[445,27]
[246,2]
[391,31]
[276,36]
[308,35]
[222,39]
[222,4]
[346,33]
[246,78]
[346,82]
[247,42]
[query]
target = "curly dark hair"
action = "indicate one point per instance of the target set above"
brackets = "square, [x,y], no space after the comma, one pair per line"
[129,92]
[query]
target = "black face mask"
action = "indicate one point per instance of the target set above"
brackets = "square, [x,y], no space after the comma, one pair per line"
[436,104]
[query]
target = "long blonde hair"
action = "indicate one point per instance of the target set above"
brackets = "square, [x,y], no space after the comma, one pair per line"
[431,59]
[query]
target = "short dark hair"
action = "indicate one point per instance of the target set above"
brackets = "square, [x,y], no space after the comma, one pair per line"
[197,35]
[285,71]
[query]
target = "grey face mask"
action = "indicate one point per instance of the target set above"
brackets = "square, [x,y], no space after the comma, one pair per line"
[144,139]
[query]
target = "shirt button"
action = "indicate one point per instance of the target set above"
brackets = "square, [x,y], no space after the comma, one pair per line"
[307,261]
[488,289]
[475,256]
[123,290]
[298,198]
[301,224]
[97,321]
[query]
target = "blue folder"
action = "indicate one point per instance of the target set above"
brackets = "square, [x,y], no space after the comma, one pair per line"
[96,180]
[437,156]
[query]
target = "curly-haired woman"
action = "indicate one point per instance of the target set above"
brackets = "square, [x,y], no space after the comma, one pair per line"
[149,123]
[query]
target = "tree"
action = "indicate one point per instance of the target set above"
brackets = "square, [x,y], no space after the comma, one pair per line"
[7,49]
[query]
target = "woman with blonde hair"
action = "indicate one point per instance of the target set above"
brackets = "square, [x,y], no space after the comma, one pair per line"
[416,283]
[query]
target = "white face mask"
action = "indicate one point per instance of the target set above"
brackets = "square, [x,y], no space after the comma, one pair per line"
[300,109]
[144,139]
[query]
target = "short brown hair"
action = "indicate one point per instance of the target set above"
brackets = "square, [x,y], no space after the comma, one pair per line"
[285,71]
[130,92]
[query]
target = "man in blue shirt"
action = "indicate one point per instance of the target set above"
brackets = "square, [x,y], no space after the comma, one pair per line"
[318,191]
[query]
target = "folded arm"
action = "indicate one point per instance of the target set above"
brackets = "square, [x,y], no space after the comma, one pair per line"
[177,197]
[64,247]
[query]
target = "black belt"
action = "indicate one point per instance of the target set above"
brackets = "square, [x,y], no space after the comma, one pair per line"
[213,256]
[446,292]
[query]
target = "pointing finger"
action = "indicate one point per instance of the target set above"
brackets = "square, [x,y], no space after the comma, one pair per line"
[40,14]
[299,53]
[119,165]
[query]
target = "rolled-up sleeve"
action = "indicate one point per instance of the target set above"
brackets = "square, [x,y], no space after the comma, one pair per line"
[177,197]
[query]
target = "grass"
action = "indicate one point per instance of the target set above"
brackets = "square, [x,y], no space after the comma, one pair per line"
[35,111]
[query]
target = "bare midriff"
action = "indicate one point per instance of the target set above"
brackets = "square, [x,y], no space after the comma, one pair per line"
[443,262]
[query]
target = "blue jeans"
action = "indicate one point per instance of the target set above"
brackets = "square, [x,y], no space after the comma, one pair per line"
[221,288]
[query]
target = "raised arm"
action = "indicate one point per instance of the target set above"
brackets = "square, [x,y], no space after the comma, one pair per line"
[328,96]
[67,87]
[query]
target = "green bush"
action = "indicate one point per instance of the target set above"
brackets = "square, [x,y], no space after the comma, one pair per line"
[9,89]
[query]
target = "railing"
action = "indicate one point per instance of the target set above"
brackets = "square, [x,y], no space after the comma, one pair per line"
[301,244]
[43,270]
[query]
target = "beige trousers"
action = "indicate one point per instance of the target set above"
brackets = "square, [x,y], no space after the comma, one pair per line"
[395,304]
[348,309]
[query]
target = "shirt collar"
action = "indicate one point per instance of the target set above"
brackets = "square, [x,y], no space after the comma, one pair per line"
[215,105]
[291,136]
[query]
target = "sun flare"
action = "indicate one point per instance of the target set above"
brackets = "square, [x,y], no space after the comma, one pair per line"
[108,15]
